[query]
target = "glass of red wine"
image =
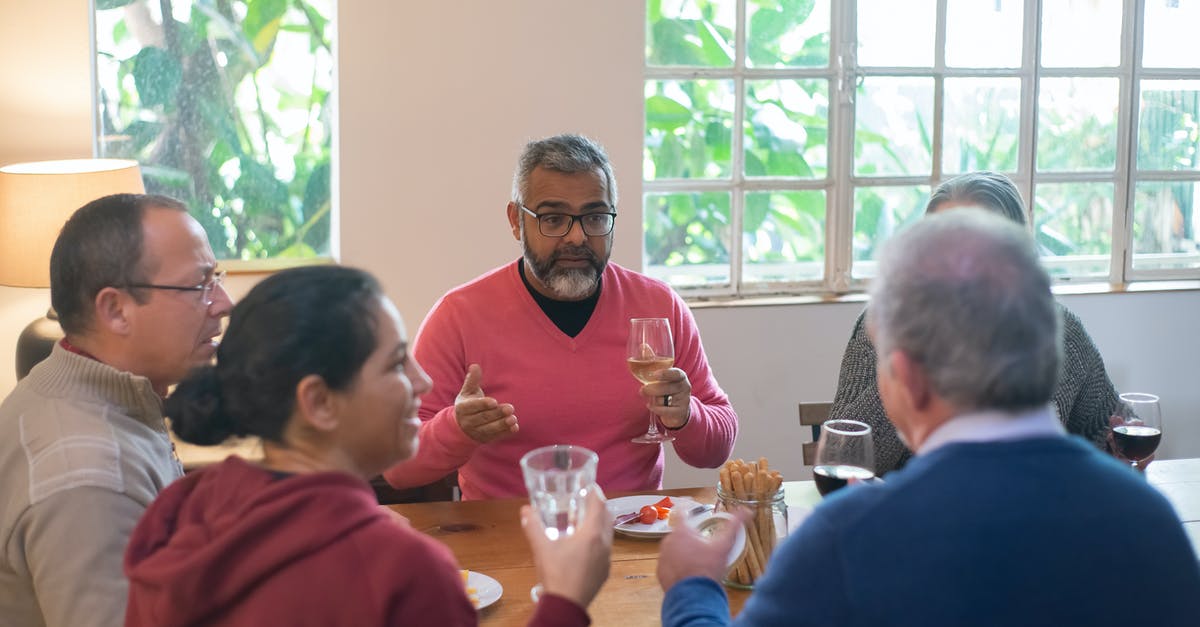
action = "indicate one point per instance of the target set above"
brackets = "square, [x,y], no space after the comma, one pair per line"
[1137,430]
[844,451]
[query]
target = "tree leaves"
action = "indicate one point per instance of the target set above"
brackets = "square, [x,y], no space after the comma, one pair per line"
[156,75]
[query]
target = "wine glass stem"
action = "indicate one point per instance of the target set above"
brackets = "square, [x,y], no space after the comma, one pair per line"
[653,430]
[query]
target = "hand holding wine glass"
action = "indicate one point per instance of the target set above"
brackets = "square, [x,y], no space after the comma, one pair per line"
[650,350]
[1136,428]
[844,451]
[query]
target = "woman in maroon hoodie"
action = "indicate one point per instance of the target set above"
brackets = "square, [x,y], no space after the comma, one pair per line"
[315,362]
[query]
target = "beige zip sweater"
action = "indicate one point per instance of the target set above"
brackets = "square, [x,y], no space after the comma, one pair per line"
[83,451]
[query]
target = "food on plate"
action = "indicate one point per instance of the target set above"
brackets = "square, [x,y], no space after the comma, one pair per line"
[472,593]
[752,485]
[648,513]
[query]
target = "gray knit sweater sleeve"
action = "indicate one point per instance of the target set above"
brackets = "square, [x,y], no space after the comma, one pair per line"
[857,398]
[1085,396]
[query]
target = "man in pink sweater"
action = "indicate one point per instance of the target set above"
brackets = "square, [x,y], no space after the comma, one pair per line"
[545,337]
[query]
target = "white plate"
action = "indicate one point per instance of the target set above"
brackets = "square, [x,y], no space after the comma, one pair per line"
[487,590]
[657,529]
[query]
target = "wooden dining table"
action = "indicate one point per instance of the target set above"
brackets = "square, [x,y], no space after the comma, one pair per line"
[486,536]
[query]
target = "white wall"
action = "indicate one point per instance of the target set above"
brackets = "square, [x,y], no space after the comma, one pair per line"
[436,100]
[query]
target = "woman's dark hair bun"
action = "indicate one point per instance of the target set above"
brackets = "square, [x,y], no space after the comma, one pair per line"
[196,411]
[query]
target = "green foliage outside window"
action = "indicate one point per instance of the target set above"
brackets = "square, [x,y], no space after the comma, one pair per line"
[227,106]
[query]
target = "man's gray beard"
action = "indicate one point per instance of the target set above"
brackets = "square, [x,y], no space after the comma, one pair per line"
[566,283]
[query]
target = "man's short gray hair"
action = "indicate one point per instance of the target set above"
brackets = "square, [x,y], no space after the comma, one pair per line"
[567,154]
[963,295]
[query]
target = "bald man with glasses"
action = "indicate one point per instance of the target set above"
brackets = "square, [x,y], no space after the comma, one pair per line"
[83,445]
[534,352]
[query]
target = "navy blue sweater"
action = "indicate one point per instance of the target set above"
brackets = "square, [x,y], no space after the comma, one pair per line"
[1043,531]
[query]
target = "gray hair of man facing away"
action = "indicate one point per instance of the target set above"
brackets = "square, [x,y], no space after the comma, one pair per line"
[962,294]
[567,154]
[988,190]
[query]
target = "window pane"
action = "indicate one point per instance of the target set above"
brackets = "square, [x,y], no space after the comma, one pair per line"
[1077,124]
[896,34]
[891,134]
[233,116]
[1169,126]
[1081,33]
[783,236]
[1072,223]
[688,129]
[1170,29]
[984,34]
[783,34]
[786,131]
[880,212]
[687,238]
[690,32]
[981,120]
[1165,223]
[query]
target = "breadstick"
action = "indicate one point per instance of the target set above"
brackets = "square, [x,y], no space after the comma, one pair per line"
[754,552]
[756,542]
[765,516]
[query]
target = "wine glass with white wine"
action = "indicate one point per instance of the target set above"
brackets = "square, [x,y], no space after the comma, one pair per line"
[649,350]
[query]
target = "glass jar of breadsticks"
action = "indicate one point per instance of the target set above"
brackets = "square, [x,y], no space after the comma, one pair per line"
[758,489]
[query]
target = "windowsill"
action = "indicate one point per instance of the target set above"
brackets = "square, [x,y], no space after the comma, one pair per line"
[1062,289]
[274,264]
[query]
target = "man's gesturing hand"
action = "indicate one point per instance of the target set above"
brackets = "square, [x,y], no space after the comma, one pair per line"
[481,417]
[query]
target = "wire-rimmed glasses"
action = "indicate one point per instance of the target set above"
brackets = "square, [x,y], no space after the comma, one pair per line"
[206,288]
[595,224]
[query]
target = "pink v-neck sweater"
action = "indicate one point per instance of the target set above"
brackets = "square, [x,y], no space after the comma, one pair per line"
[564,390]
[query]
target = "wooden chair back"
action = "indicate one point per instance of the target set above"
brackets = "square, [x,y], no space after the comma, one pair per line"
[811,416]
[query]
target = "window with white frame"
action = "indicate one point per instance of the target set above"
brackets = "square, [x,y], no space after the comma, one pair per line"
[786,139]
[227,106]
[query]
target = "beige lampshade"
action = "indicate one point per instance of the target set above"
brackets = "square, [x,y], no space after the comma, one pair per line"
[37,198]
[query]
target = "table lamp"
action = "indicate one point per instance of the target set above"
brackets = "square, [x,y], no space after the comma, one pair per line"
[35,201]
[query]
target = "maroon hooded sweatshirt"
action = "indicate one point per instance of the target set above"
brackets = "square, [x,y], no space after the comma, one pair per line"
[235,544]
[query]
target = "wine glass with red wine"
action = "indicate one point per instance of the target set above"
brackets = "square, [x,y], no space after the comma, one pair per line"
[844,451]
[1138,431]
[650,349]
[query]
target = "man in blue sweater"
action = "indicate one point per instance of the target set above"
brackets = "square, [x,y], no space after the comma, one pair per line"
[1001,518]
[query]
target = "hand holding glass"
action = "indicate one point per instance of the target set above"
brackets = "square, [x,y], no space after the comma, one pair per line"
[1137,427]
[649,350]
[559,478]
[844,451]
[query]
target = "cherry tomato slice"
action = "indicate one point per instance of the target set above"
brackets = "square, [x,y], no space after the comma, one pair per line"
[665,502]
[662,511]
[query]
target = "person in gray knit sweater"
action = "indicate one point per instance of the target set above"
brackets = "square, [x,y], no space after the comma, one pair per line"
[83,445]
[1084,397]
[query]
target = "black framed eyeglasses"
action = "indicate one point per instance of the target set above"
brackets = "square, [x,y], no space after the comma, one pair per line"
[597,224]
[206,288]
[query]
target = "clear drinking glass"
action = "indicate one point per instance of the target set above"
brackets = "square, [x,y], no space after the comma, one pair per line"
[558,478]
[1137,427]
[649,350]
[844,451]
